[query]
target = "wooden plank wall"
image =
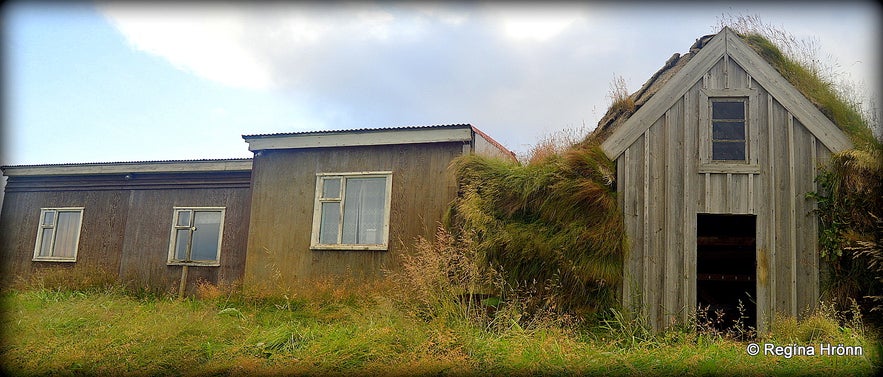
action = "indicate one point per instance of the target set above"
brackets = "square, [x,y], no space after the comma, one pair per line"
[662,191]
[284,184]
[148,232]
[125,232]
[104,214]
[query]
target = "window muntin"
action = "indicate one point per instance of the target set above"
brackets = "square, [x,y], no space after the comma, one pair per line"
[58,235]
[196,235]
[352,211]
[728,129]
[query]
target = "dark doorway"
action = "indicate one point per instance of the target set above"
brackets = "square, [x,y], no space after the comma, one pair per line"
[726,269]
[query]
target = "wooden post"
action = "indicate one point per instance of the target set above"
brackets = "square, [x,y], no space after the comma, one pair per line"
[183,286]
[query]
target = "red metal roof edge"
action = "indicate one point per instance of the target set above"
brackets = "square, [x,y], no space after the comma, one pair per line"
[494,142]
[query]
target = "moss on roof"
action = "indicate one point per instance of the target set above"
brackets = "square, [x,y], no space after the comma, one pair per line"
[821,93]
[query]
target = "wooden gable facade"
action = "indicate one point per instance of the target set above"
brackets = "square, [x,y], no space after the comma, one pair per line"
[715,204]
[291,176]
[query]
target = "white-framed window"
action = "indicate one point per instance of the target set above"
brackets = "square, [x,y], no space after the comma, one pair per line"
[58,235]
[727,131]
[196,236]
[351,211]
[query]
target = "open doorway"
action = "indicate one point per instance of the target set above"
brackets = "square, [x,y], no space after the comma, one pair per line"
[726,268]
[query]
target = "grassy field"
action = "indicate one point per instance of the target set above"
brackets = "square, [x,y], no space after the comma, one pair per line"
[328,330]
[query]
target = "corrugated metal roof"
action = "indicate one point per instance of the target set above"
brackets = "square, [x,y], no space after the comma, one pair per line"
[163,166]
[414,127]
[128,162]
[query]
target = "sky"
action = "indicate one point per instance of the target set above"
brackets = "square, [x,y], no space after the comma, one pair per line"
[130,81]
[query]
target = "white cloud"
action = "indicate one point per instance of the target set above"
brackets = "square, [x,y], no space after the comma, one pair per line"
[203,40]
[387,64]
[535,23]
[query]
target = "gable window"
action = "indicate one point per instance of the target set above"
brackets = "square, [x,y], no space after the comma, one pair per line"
[728,130]
[58,234]
[352,211]
[728,136]
[196,235]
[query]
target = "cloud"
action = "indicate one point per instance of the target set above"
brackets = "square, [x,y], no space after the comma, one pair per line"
[202,40]
[515,70]
[536,23]
[383,64]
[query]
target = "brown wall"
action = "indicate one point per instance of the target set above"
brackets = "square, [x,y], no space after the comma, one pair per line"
[284,184]
[126,223]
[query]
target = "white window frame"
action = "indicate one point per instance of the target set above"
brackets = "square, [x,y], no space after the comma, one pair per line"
[317,210]
[173,236]
[706,163]
[40,227]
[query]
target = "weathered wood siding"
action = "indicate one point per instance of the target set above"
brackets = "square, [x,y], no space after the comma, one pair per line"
[284,189]
[126,223]
[662,190]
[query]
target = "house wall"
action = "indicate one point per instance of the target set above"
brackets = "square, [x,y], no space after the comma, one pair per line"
[126,223]
[661,190]
[483,146]
[284,188]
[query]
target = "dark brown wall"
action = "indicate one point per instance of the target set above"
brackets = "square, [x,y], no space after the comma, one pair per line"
[148,230]
[104,216]
[284,184]
[126,223]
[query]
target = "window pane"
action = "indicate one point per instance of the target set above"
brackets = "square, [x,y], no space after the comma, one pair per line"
[728,130]
[329,223]
[728,110]
[331,188]
[183,218]
[182,236]
[727,150]
[48,218]
[46,243]
[66,233]
[364,205]
[206,237]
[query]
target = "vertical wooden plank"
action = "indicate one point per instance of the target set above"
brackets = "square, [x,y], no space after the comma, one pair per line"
[771,205]
[805,219]
[656,218]
[760,197]
[813,244]
[730,202]
[674,221]
[751,194]
[646,286]
[623,183]
[708,198]
[690,201]
[739,79]
[792,206]
[727,72]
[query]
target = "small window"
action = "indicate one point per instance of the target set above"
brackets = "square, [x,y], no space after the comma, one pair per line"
[196,236]
[728,133]
[352,211]
[58,234]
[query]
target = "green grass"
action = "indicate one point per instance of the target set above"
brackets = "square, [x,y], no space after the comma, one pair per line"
[110,332]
